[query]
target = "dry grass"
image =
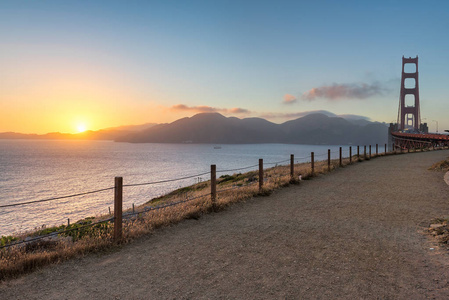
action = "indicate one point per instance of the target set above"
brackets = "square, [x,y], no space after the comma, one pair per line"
[441,166]
[439,228]
[18,260]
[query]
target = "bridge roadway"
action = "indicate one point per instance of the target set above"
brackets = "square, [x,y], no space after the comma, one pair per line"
[423,140]
[357,233]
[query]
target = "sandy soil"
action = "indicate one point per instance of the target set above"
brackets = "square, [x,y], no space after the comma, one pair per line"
[356,233]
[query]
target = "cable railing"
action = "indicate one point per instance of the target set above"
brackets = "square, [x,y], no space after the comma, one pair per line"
[162,206]
[238,169]
[118,190]
[166,181]
[57,198]
[278,162]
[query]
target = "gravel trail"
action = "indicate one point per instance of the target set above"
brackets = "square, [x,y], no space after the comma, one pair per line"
[357,233]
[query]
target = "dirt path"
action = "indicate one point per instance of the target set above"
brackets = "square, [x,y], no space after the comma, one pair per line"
[352,234]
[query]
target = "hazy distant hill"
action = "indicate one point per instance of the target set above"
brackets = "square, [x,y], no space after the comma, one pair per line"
[104,134]
[206,128]
[215,128]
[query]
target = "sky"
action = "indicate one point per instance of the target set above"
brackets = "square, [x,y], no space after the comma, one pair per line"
[66,66]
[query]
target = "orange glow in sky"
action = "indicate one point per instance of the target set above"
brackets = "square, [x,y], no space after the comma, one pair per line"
[66,63]
[73,101]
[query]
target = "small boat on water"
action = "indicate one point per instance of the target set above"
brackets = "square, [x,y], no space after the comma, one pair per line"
[217,147]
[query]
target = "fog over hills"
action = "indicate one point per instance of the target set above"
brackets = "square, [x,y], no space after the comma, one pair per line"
[217,129]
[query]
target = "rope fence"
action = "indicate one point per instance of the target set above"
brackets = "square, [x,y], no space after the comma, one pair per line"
[239,169]
[56,198]
[166,181]
[279,162]
[347,153]
[153,208]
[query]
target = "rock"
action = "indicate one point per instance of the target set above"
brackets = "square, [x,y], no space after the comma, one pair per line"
[436,226]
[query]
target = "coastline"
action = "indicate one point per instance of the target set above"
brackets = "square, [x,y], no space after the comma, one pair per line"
[313,239]
[35,170]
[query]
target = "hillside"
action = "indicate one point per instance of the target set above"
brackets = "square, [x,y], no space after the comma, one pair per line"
[214,128]
[103,134]
[217,129]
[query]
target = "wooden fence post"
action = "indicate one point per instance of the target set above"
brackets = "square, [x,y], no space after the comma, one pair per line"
[292,166]
[358,152]
[260,174]
[370,151]
[350,154]
[364,152]
[329,159]
[385,149]
[118,203]
[341,162]
[213,185]
[312,155]
[377,149]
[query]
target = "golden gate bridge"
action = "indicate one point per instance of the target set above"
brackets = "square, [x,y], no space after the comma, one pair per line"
[409,132]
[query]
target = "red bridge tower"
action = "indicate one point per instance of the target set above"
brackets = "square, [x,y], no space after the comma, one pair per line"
[409,115]
[409,133]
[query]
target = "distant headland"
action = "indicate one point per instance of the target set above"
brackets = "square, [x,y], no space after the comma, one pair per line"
[214,128]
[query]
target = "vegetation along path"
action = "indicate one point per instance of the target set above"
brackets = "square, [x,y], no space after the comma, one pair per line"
[359,232]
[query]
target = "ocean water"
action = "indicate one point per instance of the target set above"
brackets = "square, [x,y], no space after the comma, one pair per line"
[42,169]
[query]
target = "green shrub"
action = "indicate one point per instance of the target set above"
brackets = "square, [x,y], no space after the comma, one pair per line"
[4,240]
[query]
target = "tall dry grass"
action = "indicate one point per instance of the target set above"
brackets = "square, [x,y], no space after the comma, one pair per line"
[441,166]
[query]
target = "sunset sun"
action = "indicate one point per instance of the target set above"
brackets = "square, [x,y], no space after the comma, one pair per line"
[81,127]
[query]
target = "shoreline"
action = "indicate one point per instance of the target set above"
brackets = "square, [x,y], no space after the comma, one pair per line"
[150,204]
[94,165]
[359,233]
[193,203]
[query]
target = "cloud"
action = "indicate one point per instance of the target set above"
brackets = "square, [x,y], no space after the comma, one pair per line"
[202,108]
[354,117]
[290,116]
[289,99]
[296,115]
[238,110]
[345,91]
[208,109]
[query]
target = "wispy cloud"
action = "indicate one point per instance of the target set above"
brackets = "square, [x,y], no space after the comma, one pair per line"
[289,99]
[238,110]
[345,91]
[295,115]
[209,109]
[354,117]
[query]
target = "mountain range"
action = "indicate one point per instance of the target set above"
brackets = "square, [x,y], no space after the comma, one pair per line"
[103,134]
[215,128]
